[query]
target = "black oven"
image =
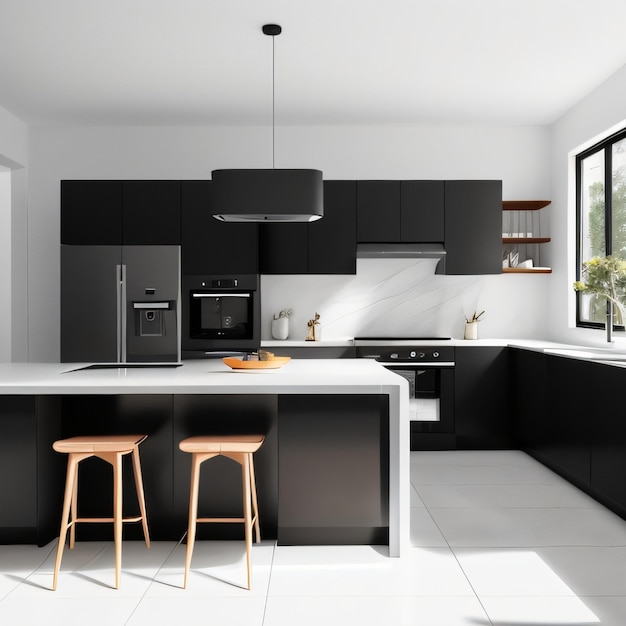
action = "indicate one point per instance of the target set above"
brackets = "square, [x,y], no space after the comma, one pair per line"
[221,315]
[429,370]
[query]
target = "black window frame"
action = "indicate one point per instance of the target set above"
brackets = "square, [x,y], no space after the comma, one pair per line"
[606,145]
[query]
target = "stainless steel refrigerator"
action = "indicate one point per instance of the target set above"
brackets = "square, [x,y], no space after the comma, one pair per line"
[120,304]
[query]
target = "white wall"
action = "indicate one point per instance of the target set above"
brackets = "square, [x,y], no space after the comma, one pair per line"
[5,262]
[595,117]
[519,156]
[14,240]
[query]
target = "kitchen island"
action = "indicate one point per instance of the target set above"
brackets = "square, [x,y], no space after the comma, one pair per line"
[334,467]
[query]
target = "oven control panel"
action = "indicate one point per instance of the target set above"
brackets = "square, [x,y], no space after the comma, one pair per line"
[408,354]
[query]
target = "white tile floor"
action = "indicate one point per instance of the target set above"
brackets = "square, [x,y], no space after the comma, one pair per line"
[498,539]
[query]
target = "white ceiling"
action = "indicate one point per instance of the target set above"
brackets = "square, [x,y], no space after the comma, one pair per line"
[199,62]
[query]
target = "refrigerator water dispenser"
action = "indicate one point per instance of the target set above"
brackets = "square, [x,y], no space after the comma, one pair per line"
[150,318]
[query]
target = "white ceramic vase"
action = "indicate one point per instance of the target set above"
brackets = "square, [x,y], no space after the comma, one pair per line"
[280,328]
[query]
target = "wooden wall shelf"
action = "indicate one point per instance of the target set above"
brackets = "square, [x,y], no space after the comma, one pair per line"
[526,239]
[527,270]
[524,205]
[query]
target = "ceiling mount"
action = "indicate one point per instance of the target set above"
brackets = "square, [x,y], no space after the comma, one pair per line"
[272,29]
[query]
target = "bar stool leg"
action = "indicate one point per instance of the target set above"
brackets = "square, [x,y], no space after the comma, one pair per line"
[140,495]
[74,510]
[72,468]
[196,460]
[255,506]
[247,516]
[117,515]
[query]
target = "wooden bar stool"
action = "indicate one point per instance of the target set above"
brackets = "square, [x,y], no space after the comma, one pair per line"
[110,448]
[238,448]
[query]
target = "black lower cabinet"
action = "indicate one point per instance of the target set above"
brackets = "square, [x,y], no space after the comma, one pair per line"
[334,477]
[529,393]
[568,446]
[30,471]
[124,414]
[221,492]
[568,415]
[167,420]
[481,398]
[331,469]
[550,407]
[606,428]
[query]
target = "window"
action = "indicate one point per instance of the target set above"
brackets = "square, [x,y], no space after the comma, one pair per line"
[601,223]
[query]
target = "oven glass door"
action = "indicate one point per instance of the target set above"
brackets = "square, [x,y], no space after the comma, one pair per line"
[424,384]
[221,315]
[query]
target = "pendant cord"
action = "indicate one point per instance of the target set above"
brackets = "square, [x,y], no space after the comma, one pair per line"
[273,106]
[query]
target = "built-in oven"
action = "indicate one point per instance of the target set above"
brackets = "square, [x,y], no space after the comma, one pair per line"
[221,315]
[429,369]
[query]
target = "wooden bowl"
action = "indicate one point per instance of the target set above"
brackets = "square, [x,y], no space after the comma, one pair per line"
[238,364]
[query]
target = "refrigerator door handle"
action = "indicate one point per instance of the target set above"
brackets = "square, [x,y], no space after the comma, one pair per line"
[121,313]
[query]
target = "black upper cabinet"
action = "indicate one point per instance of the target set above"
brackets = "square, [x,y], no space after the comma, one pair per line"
[332,240]
[210,246]
[473,226]
[392,211]
[114,212]
[422,211]
[151,212]
[91,212]
[378,211]
[327,246]
[284,248]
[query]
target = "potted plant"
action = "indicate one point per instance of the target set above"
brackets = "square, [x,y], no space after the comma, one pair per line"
[604,278]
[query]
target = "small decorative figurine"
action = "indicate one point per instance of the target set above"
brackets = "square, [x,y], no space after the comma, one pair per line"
[312,324]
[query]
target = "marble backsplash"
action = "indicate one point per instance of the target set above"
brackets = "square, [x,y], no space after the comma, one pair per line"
[386,297]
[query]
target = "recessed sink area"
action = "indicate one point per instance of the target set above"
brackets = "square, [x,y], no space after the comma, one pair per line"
[595,354]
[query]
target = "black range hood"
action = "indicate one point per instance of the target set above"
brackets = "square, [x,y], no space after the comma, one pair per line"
[400,251]
[267,195]
[404,251]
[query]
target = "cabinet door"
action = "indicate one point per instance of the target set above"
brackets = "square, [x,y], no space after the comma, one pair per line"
[569,410]
[284,248]
[607,429]
[327,246]
[533,428]
[18,462]
[473,226]
[332,240]
[422,211]
[126,413]
[481,398]
[210,246]
[333,464]
[378,211]
[151,212]
[91,212]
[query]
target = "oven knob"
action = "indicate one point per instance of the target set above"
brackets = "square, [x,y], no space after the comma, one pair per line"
[422,355]
[435,354]
[412,354]
[393,355]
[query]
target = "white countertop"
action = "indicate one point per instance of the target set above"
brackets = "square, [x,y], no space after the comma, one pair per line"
[349,341]
[200,376]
